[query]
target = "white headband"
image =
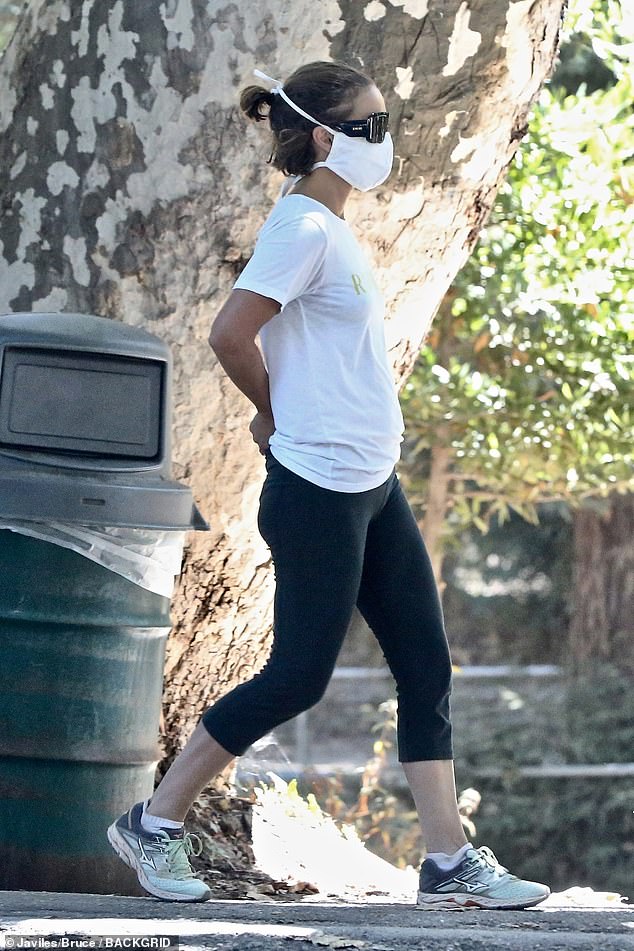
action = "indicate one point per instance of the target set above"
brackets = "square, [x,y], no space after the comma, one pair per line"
[278,90]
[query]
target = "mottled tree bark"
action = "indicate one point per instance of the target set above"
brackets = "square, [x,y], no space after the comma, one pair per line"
[602,625]
[132,188]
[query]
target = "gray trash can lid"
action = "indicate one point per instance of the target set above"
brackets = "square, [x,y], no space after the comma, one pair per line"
[81,499]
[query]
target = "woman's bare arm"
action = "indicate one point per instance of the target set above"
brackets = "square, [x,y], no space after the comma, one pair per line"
[232,338]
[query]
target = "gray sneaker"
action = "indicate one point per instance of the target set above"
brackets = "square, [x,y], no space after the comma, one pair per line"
[478,881]
[160,859]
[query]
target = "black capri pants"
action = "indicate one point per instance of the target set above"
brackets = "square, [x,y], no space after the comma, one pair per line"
[332,550]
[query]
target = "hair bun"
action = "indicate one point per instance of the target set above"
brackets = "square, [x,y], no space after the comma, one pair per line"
[252,99]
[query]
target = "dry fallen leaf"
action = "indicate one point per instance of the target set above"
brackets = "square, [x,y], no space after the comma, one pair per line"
[259,892]
[304,888]
[336,941]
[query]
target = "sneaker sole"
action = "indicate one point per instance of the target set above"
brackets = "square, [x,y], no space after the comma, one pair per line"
[126,855]
[461,901]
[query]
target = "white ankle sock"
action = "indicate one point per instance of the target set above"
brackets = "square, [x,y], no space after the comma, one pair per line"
[445,861]
[153,823]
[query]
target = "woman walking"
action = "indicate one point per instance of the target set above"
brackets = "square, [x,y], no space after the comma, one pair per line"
[332,511]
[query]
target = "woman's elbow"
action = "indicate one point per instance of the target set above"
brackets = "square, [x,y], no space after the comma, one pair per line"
[220,338]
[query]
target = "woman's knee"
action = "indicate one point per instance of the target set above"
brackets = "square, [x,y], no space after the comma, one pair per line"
[429,671]
[298,686]
[301,692]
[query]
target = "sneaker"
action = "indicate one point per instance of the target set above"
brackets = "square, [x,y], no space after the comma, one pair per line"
[160,859]
[477,881]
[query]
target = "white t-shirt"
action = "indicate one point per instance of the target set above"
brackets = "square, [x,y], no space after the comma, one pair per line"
[338,422]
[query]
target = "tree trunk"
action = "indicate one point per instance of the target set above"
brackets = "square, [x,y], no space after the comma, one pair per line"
[436,508]
[132,188]
[601,626]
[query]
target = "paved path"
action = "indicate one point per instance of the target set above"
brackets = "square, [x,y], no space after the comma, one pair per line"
[309,925]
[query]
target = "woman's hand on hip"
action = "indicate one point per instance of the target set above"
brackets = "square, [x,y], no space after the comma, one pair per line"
[262,428]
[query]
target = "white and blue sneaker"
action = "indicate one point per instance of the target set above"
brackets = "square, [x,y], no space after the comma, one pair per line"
[477,881]
[160,859]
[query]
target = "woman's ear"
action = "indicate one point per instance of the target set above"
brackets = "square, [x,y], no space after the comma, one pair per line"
[322,140]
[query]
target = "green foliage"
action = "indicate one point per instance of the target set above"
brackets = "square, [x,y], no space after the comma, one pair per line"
[607,27]
[507,594]
[564,832]
[527,371]
[598,717]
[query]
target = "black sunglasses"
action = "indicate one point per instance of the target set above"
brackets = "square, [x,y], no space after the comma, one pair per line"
[374,128]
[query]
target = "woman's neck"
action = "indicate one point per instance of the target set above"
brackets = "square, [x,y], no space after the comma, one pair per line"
[325,186]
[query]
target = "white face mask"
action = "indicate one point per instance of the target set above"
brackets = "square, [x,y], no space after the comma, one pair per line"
[360,163]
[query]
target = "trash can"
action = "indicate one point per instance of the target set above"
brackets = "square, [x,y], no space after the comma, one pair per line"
[88,512]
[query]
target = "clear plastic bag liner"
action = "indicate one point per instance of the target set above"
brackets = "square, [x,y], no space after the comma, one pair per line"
[145,556]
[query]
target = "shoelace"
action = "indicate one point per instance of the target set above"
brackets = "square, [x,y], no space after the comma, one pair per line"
[489,858]
[177,852]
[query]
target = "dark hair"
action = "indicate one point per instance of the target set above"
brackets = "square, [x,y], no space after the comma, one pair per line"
[326,90]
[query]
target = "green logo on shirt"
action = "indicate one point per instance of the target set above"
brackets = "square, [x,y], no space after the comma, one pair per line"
[357,283]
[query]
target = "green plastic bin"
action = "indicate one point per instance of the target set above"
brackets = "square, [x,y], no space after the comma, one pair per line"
[85,450]
[81,674]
